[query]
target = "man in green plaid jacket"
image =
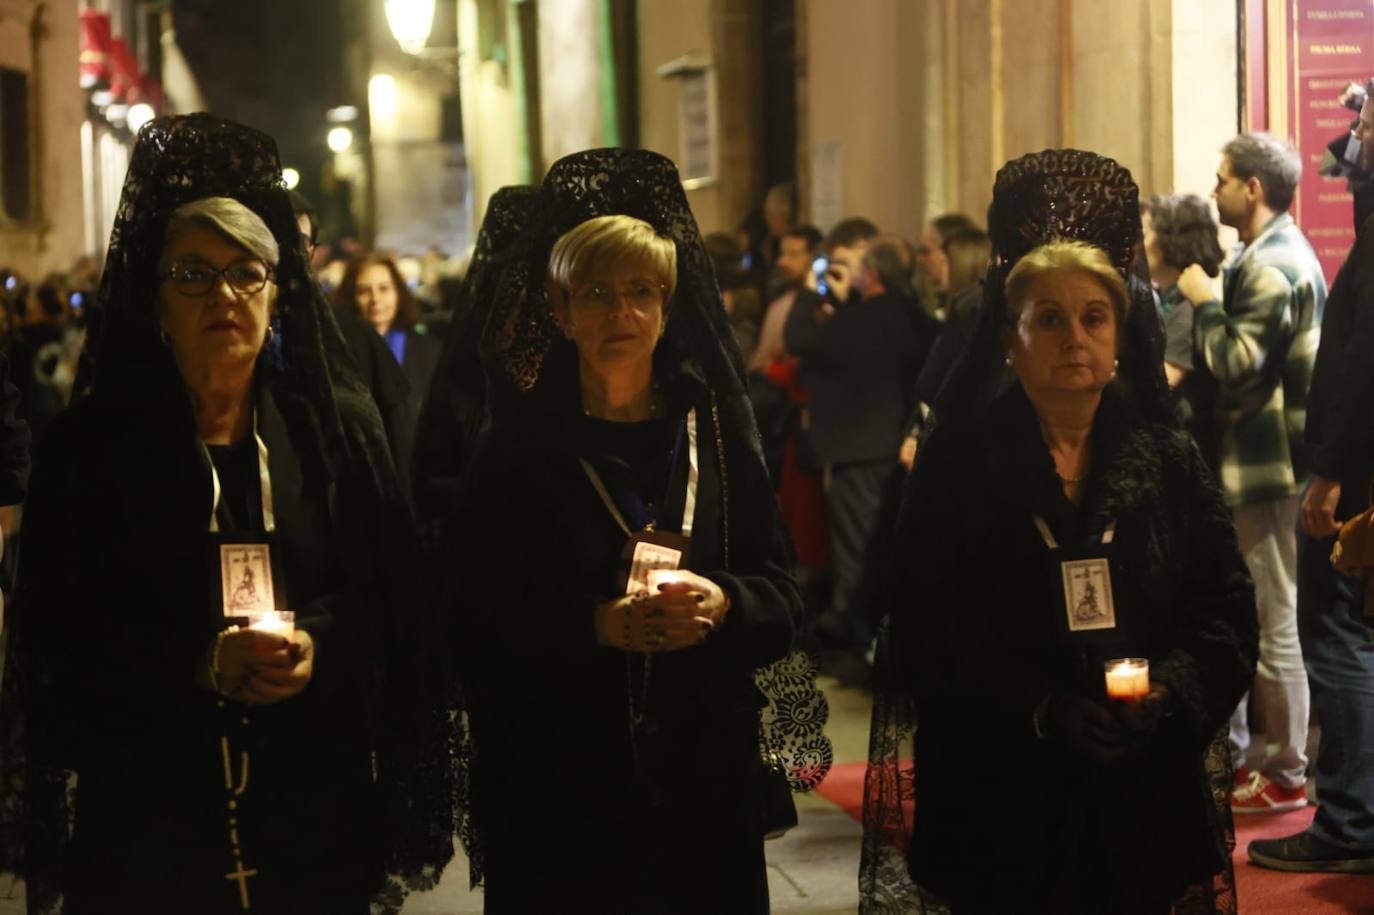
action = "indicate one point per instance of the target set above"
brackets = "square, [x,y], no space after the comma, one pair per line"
[1258,345]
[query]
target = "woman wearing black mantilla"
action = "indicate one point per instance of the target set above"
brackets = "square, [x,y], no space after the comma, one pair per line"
[615,715]
[226,465]
[1074,474]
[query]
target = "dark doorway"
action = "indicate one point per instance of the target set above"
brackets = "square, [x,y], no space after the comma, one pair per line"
[14,134]
[779,36]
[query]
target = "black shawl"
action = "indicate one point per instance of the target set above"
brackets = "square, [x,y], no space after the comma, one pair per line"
[1071,195]
[131,377]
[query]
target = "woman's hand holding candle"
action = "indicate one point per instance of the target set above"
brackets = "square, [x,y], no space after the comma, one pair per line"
[691,591]
[1141,718]
[668,619]
[282,672]
[257,667]
[1086,728]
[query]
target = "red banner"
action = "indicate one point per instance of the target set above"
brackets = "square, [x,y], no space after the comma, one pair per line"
[95,48]
[1331,44]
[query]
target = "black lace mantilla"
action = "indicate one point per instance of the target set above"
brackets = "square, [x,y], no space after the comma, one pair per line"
[455,412]
[519,329]
[177,160]
[1065,194]
[794,720]
[1038,198]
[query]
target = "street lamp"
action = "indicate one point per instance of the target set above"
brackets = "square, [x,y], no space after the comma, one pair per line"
[410,22]
[291,178]
[339,139]
[139,115]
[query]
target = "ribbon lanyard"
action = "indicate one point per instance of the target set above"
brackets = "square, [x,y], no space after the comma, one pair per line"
[269,520]
[689,507]
[1108,534]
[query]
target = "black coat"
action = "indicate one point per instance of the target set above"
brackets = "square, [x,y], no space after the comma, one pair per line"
[537,550]
[422,358]
[118,600]
[859,369]
[976,625]
[1340,425]
[15,438]
[390,387]
[961,320]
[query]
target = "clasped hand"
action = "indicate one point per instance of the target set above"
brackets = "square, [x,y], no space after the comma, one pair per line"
[1105,734]
[681,614]
[260,668]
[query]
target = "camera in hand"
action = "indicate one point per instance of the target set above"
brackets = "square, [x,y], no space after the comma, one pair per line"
[819,266]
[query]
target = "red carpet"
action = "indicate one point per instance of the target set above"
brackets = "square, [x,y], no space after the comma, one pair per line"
[1261,892]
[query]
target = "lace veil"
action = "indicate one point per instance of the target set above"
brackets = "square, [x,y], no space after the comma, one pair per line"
[454,412]
[1051,195]
[126,367]
[519,331]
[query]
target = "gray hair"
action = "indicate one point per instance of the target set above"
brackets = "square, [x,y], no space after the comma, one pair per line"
[232,219]
[890,258]
[1274,162]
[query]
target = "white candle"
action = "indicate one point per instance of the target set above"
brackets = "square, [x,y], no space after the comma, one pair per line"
[1128,679]
[663,577]
[276,622]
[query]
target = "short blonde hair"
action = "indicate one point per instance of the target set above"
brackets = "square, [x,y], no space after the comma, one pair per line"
[600,244]
[230,218]
[1071,257]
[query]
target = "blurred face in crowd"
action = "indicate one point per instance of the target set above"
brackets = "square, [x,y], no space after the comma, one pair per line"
[777,214]
[851,259]
[377,296]
[615,316]
[794,260]
[1365,134]
[1236,197]
[1064,338]
[216,301]
[931,260]
[303,224]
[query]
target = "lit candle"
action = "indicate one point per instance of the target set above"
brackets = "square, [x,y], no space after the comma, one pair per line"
[1128,679]
[663,577]
[276,622]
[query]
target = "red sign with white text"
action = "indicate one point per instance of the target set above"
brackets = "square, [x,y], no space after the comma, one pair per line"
[1331,44]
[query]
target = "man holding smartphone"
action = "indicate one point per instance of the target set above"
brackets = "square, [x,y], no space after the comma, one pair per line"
[861,345]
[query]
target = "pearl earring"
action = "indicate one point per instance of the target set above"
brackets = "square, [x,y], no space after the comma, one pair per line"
[1010,360]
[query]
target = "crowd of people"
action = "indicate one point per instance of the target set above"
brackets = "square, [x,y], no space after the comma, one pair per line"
[313,580]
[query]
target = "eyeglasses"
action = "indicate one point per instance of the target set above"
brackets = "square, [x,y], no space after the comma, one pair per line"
[643,296]
[246,276]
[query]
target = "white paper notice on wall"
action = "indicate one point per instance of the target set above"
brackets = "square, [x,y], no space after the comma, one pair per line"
[698,127]
[827,183]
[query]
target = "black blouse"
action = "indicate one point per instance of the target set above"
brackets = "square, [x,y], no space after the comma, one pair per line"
[240,506]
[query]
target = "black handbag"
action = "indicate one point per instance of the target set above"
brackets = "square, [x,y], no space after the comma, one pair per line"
[779,810]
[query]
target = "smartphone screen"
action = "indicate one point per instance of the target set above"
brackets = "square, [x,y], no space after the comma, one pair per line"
[818,267]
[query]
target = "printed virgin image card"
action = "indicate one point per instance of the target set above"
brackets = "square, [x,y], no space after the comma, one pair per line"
[246,579]
[1088,595]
